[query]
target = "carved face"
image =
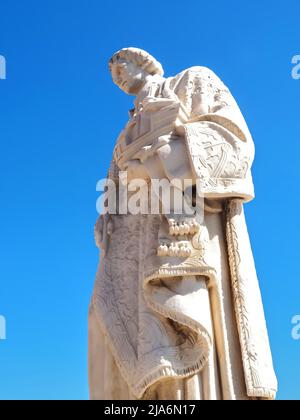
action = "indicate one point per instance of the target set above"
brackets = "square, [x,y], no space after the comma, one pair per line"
[129,77]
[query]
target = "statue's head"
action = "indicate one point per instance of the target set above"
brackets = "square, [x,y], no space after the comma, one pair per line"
[130,68]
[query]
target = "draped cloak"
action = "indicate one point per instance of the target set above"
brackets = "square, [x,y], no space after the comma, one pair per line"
[163,319]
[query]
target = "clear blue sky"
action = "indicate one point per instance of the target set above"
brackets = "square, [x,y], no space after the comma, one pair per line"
[59,118]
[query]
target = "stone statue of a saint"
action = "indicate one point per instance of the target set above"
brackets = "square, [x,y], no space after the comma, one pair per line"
[176,311]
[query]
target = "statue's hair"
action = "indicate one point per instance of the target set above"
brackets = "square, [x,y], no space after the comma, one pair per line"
[139,57]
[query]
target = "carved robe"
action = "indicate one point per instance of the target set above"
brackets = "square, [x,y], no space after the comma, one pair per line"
[173,327]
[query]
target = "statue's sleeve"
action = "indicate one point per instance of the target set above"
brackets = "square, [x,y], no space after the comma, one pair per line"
[220,145]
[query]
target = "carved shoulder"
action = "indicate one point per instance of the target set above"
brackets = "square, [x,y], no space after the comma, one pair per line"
[198,88]
[200,74]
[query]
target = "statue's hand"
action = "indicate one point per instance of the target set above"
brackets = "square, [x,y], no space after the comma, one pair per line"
[180,130]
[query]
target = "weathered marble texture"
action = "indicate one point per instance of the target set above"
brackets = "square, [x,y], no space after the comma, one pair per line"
[165,324]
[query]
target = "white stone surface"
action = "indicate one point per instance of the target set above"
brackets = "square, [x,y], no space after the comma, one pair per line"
[176,311]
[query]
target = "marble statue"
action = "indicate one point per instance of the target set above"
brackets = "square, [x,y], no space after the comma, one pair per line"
[176,312]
